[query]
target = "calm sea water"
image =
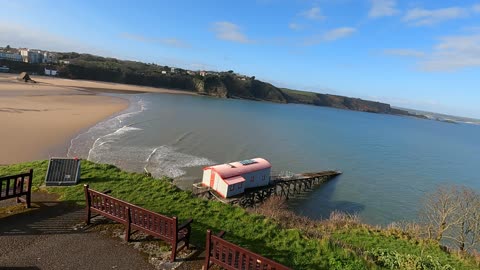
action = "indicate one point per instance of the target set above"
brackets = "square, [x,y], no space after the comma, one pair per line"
[388,162]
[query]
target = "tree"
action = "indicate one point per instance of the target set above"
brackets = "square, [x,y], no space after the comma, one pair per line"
[466,233]
[230,71]
[8,47]
[453,213]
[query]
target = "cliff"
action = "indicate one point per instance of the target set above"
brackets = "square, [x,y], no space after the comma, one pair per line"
[217,84]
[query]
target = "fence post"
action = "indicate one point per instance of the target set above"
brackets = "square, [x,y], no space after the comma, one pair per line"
[128,228]
[207,251]
[88,203]
[29,189]
[174,242]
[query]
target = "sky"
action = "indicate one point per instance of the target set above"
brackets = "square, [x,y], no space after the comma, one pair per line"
[421,54]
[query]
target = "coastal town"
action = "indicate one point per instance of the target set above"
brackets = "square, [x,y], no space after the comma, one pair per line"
[52,60]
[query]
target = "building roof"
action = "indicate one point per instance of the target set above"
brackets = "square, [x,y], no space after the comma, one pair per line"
[238,168]
[234,180]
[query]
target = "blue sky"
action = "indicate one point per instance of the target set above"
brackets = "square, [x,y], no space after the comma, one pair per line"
[422,54]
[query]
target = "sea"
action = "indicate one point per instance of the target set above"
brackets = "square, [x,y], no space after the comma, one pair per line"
[388,162]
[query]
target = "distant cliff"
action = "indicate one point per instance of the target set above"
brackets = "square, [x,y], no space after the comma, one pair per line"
[341,102]
[217,84]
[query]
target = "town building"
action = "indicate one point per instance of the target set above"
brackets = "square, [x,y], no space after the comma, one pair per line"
[31,56]
[11,56]
[50,72]
[233,178]
[49,57]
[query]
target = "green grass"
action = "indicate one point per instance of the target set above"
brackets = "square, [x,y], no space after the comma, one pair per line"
[257,233]
[371,240]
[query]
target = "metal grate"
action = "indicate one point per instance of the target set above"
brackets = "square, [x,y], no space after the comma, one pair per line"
[248,162]
[63,172]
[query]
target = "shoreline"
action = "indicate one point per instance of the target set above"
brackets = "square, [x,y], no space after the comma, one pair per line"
[40,120]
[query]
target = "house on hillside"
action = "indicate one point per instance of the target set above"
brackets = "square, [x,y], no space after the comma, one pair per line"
[11,56]
[233,178]
[50,72]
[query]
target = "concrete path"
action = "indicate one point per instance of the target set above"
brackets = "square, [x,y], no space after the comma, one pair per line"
[45,238]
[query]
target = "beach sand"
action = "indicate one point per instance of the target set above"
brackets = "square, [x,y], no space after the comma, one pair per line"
[39,120]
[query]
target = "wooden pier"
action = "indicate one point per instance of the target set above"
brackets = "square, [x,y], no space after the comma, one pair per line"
[279,186]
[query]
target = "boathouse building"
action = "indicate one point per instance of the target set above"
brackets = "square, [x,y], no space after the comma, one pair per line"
[233,178]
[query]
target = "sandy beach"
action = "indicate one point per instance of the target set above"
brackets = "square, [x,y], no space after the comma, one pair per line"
[38,120]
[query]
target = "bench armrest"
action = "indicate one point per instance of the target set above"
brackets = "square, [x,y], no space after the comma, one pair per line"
[108,191]
[185,224]
[221,234]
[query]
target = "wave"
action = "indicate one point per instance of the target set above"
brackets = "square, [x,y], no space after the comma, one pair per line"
[108,142]
[166,160]
[81,145]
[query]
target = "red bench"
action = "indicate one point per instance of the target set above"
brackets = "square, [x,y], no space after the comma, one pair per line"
[232,257]
[16,186]
[135,217]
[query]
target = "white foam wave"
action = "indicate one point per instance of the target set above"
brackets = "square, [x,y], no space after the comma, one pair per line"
[81,145]
[165,160]
[109,138]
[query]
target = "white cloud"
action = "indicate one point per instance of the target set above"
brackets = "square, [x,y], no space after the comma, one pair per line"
[17,35]
[338,33]
[295,26]
[331,35]
[454,53]
[476,8]
[171,42]
[382,8]
[313,14]
[421,17]
[404,52]
[230,32]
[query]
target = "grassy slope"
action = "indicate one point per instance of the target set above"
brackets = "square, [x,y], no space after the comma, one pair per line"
[288,246]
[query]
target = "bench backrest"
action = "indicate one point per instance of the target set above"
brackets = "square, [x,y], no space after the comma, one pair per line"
[139,218]
[153,223]
[16,185]
[232,257]
[107,205]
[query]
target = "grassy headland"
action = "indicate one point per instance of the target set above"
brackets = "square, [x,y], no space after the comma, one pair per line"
[331,244]
[212,83]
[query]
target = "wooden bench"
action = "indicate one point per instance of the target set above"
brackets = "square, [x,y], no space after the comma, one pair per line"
[232,257]
[138,218]
[16,186]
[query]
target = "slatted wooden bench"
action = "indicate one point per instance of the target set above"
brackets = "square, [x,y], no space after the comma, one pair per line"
[138,218]
[16,186]
[232,257]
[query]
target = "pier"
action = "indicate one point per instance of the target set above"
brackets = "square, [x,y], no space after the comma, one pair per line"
[285,187]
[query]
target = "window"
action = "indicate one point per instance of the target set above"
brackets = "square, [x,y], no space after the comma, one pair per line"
[252,178]
[239,185]
[263,178]
[230,187]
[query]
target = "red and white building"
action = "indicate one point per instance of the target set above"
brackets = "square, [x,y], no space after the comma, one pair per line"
[233,178]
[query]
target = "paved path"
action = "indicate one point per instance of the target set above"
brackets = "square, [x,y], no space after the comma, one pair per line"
[45,238]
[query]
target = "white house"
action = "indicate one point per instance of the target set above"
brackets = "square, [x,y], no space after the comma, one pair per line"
[50,72]
[31,56]
[11,56]
[233,178]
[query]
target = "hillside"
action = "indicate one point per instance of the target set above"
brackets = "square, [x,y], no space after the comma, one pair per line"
[217,84]
[340,242]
